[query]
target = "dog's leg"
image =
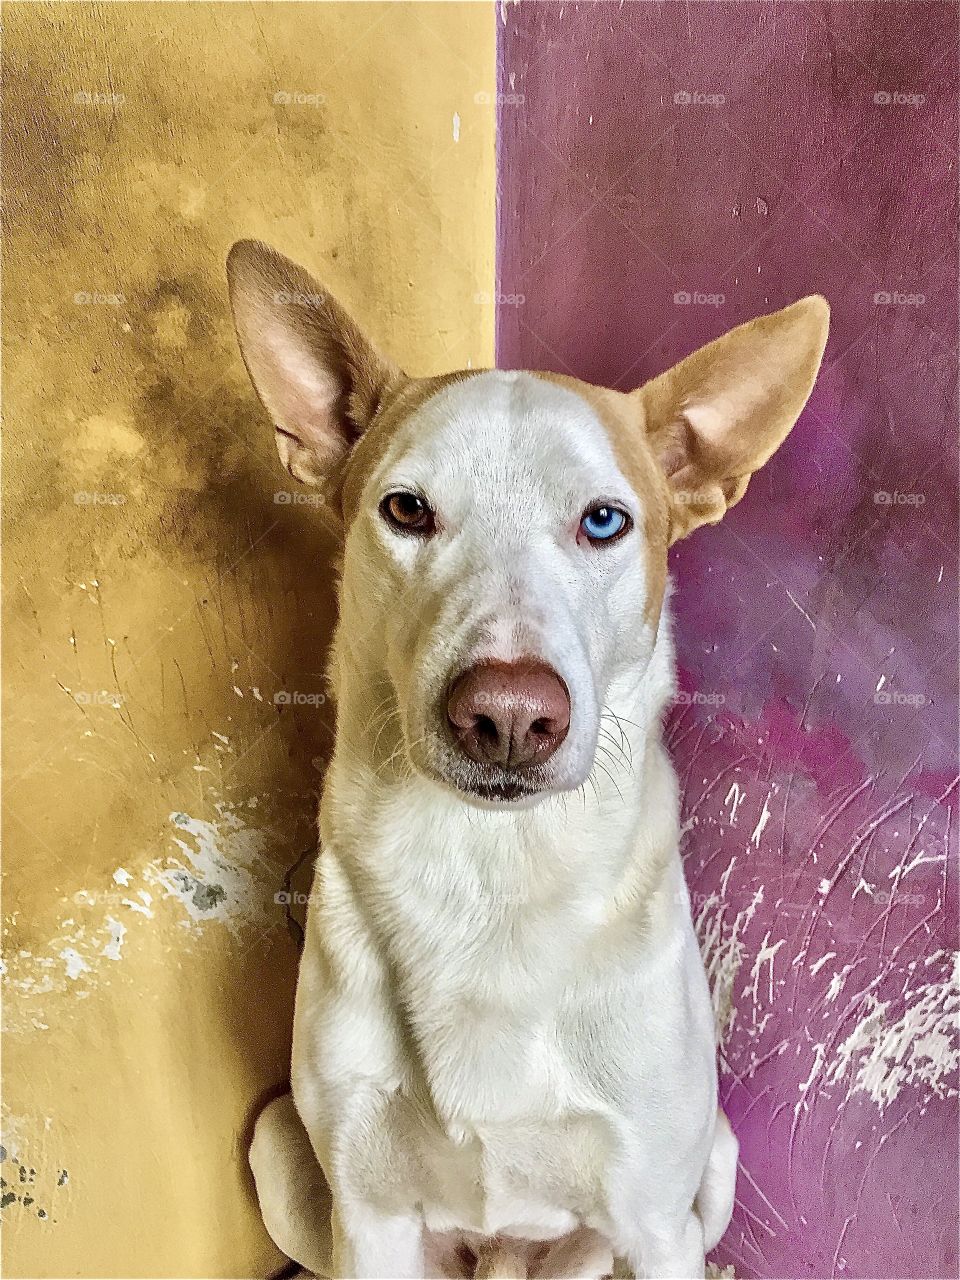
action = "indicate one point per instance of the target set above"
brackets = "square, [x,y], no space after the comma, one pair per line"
[293,1193]
[714,1202]
[370,1245]
[656,1250]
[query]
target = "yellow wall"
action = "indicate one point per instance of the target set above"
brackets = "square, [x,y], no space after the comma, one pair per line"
[156,596]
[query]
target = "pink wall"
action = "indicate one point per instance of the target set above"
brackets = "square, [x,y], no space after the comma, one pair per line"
[744,155]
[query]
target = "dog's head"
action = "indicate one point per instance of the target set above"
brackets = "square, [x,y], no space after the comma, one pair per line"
[506,534]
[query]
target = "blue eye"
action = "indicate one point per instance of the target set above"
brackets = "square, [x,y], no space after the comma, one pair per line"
[604,524]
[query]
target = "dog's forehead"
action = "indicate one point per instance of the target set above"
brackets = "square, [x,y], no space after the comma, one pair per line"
[503,427]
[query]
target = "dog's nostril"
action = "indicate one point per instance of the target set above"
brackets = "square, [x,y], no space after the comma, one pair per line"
[485,726]
[540,727]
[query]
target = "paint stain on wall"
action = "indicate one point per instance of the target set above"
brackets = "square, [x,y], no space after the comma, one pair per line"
[226,871]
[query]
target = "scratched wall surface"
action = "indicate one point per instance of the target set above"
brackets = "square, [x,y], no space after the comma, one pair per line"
[166,618]
[667,171]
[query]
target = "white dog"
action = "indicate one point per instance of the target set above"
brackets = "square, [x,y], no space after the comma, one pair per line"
[503,1029]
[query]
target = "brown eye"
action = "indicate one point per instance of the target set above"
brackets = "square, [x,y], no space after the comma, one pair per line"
[408,513]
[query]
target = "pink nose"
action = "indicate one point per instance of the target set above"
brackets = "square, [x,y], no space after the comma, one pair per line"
[509,713]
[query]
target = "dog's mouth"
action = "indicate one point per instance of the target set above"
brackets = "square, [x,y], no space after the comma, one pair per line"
[491,786]
[500,792]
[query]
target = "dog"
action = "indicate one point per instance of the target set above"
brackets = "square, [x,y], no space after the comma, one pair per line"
[503,1029]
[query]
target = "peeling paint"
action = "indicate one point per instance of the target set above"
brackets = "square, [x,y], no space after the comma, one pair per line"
[723,951]
[219,873]
[29,1187]
[920,1048]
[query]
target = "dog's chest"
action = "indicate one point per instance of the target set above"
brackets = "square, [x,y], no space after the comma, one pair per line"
[485,951]
[506,1008]
[484,999]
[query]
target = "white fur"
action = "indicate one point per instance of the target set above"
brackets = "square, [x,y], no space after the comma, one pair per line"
[502,1022]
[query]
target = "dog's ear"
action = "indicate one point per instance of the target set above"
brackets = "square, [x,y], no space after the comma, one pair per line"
[717,416]
[319,378]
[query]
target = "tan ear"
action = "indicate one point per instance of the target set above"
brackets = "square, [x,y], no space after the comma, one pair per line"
[318,377]
[717,416]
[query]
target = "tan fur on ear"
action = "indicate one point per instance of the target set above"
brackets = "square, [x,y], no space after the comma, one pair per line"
[717,416]
[316,373]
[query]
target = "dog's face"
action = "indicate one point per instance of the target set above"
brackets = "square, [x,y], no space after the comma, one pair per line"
[497,549]
[506,534]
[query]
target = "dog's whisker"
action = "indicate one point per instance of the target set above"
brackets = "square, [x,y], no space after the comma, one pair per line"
[616,752]
[393,715]
[616,748]
[604,770]
[608,712]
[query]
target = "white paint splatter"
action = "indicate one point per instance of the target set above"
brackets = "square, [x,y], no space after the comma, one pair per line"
[723,951]
[761,826]
[118,932]
[819,1053]
[75,963]
[797,604]
[837,983]
[921,1047]
[735,798]
[218,872]
[456,126]
[143,906]
[217,877]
